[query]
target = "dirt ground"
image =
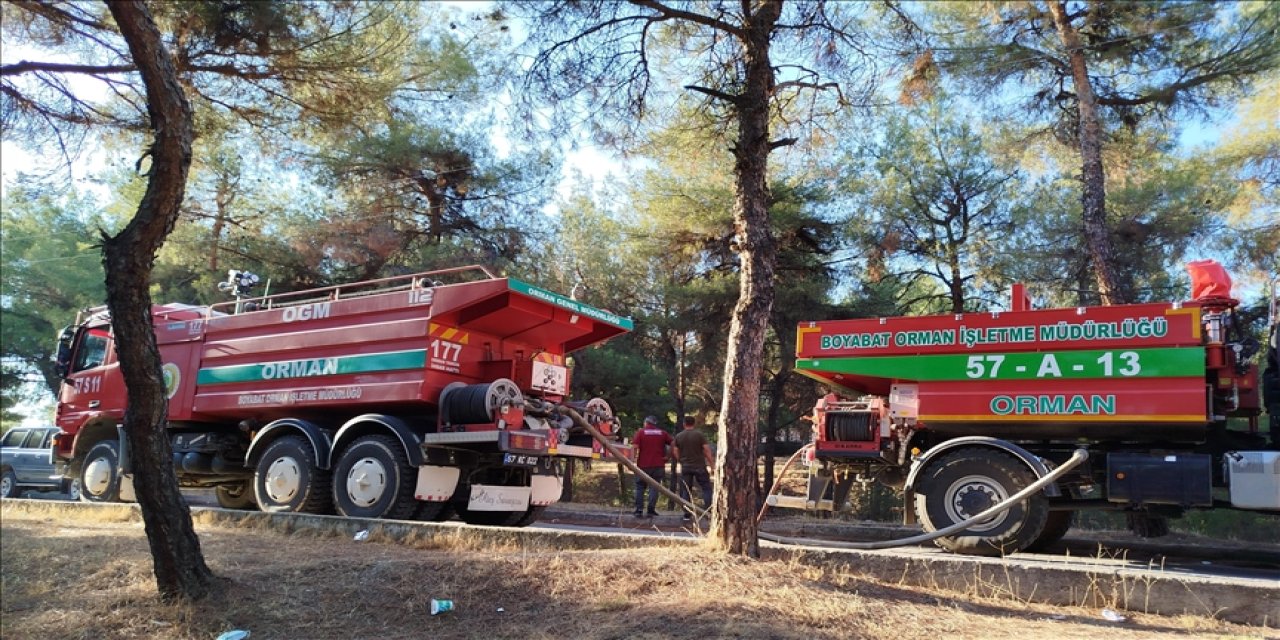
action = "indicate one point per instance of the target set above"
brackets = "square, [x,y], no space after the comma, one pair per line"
[76,579]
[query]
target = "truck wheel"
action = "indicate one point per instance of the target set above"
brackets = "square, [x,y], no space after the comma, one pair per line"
[73,489]
[1055,527]
[969,481]
[529,517]
[288,480]
[501,518]
[8,484]
[433,511]
[100,473]
[373,479]
[490,518]
[235,496]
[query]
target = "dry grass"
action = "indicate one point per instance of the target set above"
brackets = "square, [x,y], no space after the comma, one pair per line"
[92,579]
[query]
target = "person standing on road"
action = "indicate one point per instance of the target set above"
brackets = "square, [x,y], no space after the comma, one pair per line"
[651,444]
[694,454]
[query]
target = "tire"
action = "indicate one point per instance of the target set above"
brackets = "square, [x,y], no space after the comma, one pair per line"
[373,479]
[287,479]
[1055,527]
[8,485]
[72,489]
[100,474]
[969,481]
[433,511]
[490,518]
[501,518]
[531,516]
[236,496]
[1146,525]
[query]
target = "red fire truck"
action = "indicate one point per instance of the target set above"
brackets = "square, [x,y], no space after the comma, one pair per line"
[418,396]
[962,411]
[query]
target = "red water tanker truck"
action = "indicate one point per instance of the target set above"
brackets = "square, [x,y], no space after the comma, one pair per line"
[406,397]
[962,411]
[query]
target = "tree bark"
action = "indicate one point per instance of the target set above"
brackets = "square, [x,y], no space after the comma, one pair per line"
[733,524]
[956,285]
[178,563]
[1096,236]
[566,494]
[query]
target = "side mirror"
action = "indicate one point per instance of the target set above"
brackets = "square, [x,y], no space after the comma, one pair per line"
[62,356]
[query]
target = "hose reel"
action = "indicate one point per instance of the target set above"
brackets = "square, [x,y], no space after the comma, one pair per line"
[479,403]
[600,415]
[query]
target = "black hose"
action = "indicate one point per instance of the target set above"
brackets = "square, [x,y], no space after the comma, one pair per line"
[466,405]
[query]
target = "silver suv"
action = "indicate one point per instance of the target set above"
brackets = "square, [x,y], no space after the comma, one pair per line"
[26,462]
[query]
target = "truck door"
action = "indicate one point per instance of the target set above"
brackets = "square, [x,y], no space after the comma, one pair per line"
[86,384]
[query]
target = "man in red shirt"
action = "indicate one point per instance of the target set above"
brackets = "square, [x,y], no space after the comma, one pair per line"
[650,443]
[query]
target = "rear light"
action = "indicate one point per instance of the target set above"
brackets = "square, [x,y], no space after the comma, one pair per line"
[525,441]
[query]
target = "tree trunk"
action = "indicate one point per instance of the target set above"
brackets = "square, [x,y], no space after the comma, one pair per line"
[776,392]
[566,494]
[128,258]
[1096,236]
[956,285]
[672,354]
[733,523]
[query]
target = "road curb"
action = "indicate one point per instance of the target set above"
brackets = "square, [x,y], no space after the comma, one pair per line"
[1089,582]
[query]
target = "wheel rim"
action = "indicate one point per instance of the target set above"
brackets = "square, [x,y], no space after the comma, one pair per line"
[6,486]
[366,482]
[74,491]
[972,495]
[97,477]
[284,479]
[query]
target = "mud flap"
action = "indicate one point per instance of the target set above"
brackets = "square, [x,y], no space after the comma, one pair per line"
[545,490]
[436,484]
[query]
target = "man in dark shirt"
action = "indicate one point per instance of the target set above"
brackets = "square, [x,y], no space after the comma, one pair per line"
[651,443]
[695,458]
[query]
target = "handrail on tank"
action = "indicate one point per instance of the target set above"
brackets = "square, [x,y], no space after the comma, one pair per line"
[335,292]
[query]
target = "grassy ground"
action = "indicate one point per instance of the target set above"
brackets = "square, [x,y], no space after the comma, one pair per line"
[92,579]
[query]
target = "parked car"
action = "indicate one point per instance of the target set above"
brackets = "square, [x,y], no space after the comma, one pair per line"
[26,462]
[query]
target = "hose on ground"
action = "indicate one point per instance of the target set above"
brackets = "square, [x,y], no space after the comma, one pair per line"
[1078,457]
[765,507]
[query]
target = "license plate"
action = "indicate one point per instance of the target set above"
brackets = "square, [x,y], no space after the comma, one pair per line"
[520,460]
